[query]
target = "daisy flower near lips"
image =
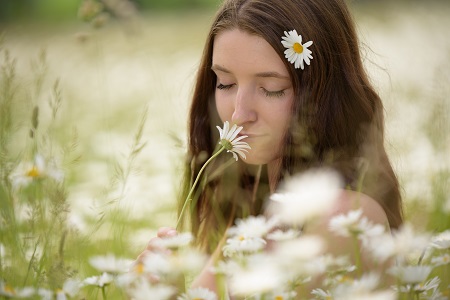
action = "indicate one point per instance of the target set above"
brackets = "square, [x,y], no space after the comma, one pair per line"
[231,142]
[296,52]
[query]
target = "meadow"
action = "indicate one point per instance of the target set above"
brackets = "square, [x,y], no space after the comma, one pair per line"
[93,133]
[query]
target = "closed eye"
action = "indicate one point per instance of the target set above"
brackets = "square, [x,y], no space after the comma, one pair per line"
[224,86]
[273,93]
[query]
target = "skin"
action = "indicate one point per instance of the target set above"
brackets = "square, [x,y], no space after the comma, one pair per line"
[253,90]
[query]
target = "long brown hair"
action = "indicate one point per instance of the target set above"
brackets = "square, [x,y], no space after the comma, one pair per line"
[338,117]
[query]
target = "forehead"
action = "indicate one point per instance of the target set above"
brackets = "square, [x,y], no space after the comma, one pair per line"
[239,51]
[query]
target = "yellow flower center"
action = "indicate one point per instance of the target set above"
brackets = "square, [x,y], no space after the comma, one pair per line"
[139,268]
[34,172]
[197,298]
[278,297]
[8,289]
[298,48]
[241,238]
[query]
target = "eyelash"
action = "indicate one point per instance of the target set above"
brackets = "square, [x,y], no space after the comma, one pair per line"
[266,92]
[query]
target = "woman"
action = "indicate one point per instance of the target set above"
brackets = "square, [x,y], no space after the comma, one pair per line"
[312,106]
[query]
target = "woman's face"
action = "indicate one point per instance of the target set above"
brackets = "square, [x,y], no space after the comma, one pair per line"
[254,91]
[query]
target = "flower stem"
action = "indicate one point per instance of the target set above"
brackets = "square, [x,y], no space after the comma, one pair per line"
[188,198]
[103,293]
[357,254]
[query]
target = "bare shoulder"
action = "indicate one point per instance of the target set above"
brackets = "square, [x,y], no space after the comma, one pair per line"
[351,200]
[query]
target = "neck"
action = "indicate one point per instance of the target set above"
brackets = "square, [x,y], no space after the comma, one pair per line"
[273,171]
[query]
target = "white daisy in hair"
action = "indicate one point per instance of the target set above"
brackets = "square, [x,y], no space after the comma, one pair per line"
[199,293]
[441,260]
[296,52]
[230,140]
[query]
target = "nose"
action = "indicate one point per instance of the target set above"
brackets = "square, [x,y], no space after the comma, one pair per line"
[244,108]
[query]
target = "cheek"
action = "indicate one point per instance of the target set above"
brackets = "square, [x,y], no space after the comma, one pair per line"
[224,109]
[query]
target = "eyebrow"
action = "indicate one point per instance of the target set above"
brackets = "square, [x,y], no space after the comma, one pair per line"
[262,74]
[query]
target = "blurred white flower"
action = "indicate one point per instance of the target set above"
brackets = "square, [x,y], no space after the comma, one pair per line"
[260,274]
[297,257]
[156,264]
[189,261]
[99,281]
[411,274]
[321,294]
[27,172]
[242,244]
[440,260]
[198,294]
[110,264]
[280,235]
[441,240]
[143,289]
[176,241]
[363,288]
[431,284]
[252,227]
[354,224]
[70,289]
[8,291]
[45,294]
[306,196]
[303,248]
[402,244]
[230,141]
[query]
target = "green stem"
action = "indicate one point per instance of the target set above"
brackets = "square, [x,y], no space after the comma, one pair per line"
[357,254]
[103,292]
[195,183]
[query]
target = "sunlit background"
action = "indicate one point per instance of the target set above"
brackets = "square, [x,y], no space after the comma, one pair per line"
[114,62]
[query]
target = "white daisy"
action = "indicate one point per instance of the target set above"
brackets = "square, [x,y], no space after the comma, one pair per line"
[258,275]
[404,244]
[353,224]
[321,294]
[253,226]
[176,241]
[143,289]
[230,141]
[411,274]
[441,260]
[243,244]
[198,294]
[280,235]
[100,281]
[110,264]
[296,52]
[8,291]
[441,240]
[27,172]
[306,196]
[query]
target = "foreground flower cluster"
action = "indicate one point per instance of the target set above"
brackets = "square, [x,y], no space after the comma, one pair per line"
[266,257]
